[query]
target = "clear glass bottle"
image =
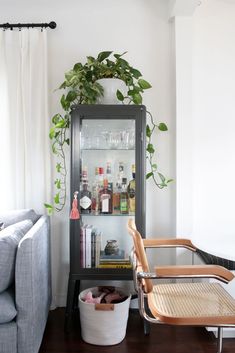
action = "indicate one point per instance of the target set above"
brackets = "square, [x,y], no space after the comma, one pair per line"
[131,192]
[95,192]
[116,198]
[105,199]
[85,195]
[109,176]
[124,197]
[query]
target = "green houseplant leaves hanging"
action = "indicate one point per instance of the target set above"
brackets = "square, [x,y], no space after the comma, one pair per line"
[82,88]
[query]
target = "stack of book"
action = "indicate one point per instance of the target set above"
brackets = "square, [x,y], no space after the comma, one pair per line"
[91,255]
[119,260]
[90,245]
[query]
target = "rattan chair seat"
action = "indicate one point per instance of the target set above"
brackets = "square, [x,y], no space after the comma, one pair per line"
[205,304]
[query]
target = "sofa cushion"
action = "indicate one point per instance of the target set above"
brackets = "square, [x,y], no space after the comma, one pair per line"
[9,240]
[15,216]
[7,306]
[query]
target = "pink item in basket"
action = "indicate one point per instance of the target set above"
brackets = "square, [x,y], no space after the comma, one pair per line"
[89,298]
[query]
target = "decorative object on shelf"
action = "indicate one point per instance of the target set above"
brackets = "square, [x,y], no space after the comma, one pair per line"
[84,87]
[74,214]
[111,247]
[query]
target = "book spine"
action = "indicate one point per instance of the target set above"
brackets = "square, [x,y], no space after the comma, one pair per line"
[83,246]
[115,266]
[97,250]
[93,244]
[88,246]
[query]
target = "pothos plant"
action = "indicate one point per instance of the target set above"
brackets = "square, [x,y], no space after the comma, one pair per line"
[82,88]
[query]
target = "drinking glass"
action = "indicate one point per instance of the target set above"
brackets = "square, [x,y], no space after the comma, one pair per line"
[125,139]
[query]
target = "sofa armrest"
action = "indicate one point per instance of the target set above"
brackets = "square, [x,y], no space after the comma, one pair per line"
[33,285]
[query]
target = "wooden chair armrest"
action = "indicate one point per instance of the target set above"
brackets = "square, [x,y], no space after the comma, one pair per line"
[195,271]
[169,243]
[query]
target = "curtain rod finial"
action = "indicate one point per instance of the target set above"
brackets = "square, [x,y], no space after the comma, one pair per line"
[52,25]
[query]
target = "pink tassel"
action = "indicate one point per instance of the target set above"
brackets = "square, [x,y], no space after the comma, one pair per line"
[74,214]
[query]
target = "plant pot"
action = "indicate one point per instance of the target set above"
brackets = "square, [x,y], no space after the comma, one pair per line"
[110,86]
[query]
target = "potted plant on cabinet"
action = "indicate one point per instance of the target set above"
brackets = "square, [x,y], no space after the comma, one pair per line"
[85,85]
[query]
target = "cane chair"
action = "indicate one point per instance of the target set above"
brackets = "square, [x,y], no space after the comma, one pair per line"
[193,304]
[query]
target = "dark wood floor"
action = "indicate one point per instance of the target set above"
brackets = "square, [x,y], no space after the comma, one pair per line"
[162,339]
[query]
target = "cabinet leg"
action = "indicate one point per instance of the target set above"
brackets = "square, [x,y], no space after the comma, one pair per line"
[73,288]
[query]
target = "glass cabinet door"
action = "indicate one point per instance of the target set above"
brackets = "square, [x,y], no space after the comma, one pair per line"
[107,191]
[108,171]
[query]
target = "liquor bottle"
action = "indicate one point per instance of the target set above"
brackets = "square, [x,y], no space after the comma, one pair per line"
[131,191]
[109,176]
[101,177]
[120,172]
[95,192]
[85,195]
[124,197]
[116,197]
[106,199]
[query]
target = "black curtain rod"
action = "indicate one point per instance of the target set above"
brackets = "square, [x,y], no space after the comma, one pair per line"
[51,25]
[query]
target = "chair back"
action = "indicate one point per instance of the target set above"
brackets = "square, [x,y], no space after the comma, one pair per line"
[139,250]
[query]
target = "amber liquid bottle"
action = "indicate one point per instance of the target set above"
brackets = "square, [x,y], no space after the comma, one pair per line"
[106,199]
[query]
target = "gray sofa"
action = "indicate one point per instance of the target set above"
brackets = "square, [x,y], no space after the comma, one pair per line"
[25,280]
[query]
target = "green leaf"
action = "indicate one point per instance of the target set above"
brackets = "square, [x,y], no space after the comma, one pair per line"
[150,148]
[148,131]
[57,198]
[117,56]
[58,167]
[169,180]
[52,133]
[144,84]
[161,176]
[56,118]
[67,141]
[154,167]
[49,208]
[63,85]
[103,55]
[90,60]
[135,73]
[162,127]
[58,183]
[65,104]
[77,67]
[120,96]
[71,96]
[61,124]
[149,175]
[137,98]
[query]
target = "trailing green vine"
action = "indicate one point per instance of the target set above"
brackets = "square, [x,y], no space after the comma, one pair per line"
[150,151]
[82,88]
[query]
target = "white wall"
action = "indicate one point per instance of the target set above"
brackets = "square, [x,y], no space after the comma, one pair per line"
[86,27]
[214,126]
[205,136]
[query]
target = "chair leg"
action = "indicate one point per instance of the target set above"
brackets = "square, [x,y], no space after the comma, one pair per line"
[220,340]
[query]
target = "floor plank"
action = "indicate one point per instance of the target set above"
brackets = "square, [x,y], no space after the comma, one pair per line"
[162,339]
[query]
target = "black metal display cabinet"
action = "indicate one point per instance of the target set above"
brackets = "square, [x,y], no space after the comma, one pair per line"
[106,141]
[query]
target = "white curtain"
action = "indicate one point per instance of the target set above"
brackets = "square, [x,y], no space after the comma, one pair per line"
[25,178]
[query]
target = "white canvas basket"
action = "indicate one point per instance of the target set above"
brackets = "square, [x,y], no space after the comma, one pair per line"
[103,324]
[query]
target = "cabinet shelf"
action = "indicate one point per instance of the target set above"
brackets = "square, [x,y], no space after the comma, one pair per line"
[107,215]
[107,149]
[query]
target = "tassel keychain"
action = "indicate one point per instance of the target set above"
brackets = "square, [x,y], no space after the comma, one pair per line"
[74,214]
